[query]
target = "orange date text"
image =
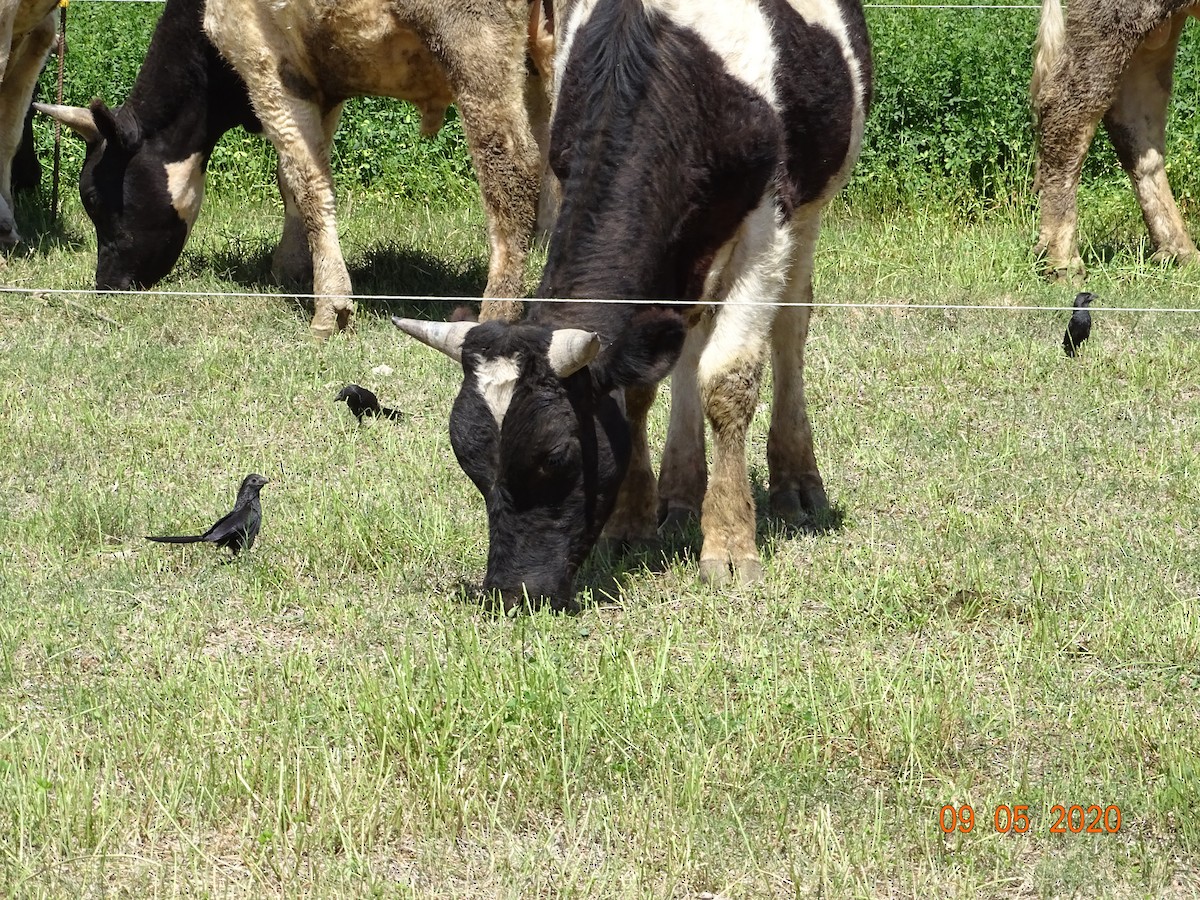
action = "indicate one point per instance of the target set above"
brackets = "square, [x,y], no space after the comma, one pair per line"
[1075,819]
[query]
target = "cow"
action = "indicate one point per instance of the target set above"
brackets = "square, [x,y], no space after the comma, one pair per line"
[26,167]
[286,68]
[696,144]
[1110,60]
[27,29]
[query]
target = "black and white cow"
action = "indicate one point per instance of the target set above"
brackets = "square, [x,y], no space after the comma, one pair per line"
[286,69]
[696,144]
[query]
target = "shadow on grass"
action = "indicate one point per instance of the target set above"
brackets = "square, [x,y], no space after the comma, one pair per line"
[603,576]
[388,270]
[41,232]
[770,526]
[606,573]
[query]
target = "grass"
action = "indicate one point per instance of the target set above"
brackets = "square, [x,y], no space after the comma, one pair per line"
[1006,614]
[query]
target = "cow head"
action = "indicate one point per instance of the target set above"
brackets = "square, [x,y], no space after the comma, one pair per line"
[142,201]
[539,426]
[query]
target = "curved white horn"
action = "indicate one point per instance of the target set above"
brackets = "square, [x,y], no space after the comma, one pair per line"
[571,349]
[78,118]
[445,336]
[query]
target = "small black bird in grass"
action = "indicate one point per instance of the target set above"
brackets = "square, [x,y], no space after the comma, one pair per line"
[1080,325]
[364,403]
[235,530]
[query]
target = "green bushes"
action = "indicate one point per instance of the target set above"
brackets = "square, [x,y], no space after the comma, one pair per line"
[378,144]
[951,116]
[950,122]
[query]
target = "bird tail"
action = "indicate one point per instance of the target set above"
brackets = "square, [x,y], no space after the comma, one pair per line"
[389,413]
[176,538]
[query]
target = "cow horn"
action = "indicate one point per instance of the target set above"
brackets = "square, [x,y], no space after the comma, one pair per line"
[571,349]
[78,118]
[445,336]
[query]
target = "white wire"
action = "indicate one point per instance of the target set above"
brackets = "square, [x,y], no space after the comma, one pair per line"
[865,6]
[422,298]
[947,6]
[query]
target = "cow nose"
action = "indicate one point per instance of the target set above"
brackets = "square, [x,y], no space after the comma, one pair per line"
[113,284]
[524,595]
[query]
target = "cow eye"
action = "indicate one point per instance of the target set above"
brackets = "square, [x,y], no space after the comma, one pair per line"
[556,461]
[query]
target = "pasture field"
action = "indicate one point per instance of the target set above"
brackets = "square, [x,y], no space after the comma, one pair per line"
[1005,613]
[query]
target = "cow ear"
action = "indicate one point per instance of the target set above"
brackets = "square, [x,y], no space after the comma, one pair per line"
[646,351]
[571,349]
[445,336]
[127,137]
[78,118]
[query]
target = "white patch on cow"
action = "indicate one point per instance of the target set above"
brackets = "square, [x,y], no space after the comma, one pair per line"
[495,381]
[579,14]
[737,31]
[749,282]
[740,34]
[185,184]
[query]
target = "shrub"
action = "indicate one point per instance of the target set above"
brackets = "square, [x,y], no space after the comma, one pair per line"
[950,123]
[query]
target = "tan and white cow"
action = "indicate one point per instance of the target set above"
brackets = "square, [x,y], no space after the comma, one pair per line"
[286,67]
[1110,60]
[26,35]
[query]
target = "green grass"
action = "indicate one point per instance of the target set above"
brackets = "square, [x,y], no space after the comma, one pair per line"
[1006,615]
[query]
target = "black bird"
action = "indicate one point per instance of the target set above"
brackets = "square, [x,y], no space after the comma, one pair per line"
[364,403]
[236,530]
[1080,325]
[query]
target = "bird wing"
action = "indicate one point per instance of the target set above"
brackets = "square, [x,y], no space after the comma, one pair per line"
[231,523]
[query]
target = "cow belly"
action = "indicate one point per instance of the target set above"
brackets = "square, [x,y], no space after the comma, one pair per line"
[337,50]
[30,14]
[384,60]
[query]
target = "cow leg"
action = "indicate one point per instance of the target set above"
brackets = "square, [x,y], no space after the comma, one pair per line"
[633,522]
[294,115]
[684,474]
[1137,124]
[297,132]
[20,71]
[729,372]
[485,62]
[1069,105]
[796,485]
[291,263]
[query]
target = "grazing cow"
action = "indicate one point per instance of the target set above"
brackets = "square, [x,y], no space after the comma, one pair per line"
[1110,59]
[26,35]
[696,144]
[26,167]
[290,68]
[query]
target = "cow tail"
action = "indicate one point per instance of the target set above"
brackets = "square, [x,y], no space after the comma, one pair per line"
[1046,48]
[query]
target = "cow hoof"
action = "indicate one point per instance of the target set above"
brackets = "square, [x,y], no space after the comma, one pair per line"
[718,573]
[1182,257]
[797,505]
[321,331]
[501,310]
[1071,272]
[1058,268]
